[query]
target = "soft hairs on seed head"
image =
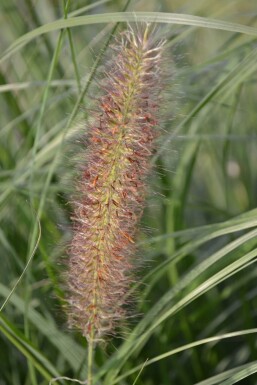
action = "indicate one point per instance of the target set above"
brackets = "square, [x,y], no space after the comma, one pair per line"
[110,192]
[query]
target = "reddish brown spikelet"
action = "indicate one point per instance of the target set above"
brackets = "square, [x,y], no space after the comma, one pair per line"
[111,190]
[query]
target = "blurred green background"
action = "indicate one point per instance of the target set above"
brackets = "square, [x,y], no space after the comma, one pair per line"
[198,237]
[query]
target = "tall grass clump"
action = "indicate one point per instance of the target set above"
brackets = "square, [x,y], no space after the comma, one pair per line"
[188,316]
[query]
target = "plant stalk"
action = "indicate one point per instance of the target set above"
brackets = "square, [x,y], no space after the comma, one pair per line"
[90,357]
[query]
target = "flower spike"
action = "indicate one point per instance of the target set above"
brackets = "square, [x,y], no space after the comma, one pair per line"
[111,190]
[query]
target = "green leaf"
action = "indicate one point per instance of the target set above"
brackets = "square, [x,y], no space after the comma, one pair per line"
[154,17]
[25,347]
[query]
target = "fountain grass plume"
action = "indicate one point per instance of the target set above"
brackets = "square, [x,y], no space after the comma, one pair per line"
[111,189]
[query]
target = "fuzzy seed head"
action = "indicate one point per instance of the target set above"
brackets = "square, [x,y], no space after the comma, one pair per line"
[111,189]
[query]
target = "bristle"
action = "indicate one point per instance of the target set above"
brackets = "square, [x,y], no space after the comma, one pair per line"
[111,190]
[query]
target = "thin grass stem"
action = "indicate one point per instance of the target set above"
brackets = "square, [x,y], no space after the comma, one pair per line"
[90,358]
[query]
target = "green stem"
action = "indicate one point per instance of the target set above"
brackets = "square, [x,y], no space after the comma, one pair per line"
[72,48]
[90,357]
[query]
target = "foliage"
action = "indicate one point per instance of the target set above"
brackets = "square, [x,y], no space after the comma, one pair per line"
[198,244]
